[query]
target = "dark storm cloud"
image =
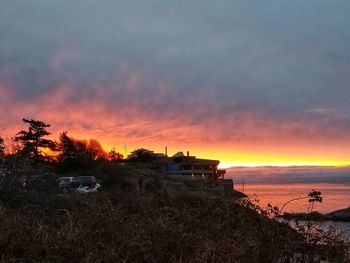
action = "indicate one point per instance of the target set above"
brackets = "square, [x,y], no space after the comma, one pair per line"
[280,61]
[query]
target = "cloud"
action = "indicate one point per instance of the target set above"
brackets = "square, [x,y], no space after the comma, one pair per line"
[199,73]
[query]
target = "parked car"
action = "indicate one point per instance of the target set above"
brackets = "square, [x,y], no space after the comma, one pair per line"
[81,181]
[64,182]
[86,189]
[99,181]
[83,184]
[40,182]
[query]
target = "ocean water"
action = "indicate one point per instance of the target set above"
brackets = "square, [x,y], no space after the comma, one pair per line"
[335,195]
[278,185]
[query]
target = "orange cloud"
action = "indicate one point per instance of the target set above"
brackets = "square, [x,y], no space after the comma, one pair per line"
[124,113]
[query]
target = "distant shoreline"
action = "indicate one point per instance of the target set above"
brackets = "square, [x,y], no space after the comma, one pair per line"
[341,215]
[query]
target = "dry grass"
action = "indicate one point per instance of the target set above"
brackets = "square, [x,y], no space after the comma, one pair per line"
[151,226]
[123,228]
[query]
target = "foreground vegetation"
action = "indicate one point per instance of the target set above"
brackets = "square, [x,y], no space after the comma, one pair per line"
[156,225]
[160,222]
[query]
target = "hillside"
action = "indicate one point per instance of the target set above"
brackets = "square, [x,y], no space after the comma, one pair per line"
[161,223]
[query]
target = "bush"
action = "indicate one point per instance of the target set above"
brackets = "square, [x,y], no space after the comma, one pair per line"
[154,227]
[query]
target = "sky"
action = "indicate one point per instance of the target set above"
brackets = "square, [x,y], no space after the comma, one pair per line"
[246,82]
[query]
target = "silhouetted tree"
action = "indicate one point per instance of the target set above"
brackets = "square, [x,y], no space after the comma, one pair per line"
[114,156]
[78,154]
[313,196]
[66,147]
[95,151]
[142,155]
[33,140]
[2,149]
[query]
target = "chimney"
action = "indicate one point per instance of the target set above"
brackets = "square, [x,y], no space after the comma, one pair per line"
[188,153]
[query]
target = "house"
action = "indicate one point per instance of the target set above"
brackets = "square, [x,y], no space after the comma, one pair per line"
[190,167]
[180,166]
[192,172]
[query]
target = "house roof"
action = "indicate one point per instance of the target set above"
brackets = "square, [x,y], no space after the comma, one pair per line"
[178,154]
[184,159]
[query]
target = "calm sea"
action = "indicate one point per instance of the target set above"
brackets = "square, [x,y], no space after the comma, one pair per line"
[278,185]
[335,195]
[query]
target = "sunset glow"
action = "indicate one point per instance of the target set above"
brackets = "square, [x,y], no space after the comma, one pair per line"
[175,131]
[248,96]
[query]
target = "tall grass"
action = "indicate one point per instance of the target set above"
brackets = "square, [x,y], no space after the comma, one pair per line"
[148,227]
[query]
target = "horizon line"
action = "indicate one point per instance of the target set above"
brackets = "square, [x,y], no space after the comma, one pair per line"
[228,165]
